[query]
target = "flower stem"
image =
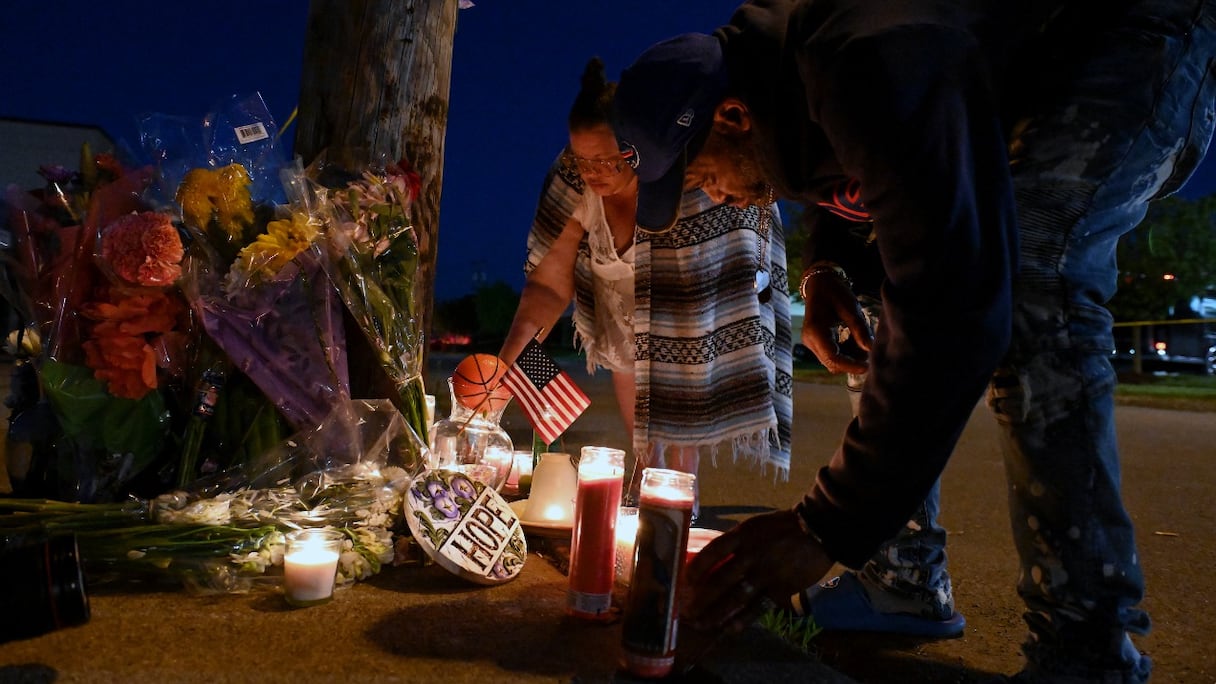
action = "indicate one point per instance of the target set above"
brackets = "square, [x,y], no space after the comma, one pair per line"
[206,395]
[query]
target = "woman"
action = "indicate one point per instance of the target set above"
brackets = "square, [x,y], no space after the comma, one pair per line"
[603,220]
[698,359]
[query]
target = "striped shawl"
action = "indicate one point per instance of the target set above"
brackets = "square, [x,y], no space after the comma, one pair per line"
[713,364]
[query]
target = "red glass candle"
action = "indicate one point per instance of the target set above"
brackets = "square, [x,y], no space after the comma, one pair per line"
[601,474]
[648,633]
[699,538]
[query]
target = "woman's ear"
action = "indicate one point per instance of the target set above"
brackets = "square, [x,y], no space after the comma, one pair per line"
[732,116]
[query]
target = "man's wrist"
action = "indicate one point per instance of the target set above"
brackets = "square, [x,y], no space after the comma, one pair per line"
[823,269]
[800,513]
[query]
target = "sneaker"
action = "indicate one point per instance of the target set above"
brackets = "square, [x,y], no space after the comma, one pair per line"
[843,604]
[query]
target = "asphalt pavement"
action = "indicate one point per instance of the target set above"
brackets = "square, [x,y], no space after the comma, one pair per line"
[1169,469]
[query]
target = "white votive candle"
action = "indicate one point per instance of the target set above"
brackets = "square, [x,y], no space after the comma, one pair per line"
[310,564]
[626,538]
[554,487]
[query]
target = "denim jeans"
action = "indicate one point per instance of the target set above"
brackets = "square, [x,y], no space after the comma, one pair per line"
[911,566]
[1130,127]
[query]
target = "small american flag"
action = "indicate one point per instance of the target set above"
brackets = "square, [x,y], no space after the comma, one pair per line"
[547,395]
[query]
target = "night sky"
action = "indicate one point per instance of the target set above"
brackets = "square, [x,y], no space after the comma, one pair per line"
[516,65]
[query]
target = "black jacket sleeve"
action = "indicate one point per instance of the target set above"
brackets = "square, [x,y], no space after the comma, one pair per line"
[909,113]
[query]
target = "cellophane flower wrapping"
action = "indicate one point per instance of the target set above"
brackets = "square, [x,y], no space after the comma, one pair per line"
[280,324]
[253,283]
[369,245]
[175,320]
[226,532]
[238,130]
[255,286]
[88,417]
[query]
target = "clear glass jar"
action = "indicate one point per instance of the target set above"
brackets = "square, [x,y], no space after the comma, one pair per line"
[463,438]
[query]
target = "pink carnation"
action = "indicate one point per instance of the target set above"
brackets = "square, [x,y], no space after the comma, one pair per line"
[143,249]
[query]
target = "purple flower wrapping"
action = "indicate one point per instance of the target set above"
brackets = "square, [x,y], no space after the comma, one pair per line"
[286,334]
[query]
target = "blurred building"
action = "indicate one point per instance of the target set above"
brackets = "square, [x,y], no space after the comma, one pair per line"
[27,145]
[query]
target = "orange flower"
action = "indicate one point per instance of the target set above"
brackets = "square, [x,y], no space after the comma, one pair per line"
[126,364]
[143,249]
[108,166]
[134,315]
[120,348]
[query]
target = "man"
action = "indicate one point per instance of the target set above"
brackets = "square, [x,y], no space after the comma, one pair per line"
[984,146]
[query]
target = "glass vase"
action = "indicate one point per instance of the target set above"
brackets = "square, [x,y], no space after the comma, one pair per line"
[472,441]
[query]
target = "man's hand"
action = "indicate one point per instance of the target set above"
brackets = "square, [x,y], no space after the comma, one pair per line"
[830,302]
[766,555]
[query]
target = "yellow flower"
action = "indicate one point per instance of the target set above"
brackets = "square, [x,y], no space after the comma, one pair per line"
[219,194]
[283,240]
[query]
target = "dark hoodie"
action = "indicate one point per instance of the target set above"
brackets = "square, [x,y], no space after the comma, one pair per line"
[906,97]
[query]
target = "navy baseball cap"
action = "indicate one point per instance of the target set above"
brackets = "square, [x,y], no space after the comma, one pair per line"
[663,111]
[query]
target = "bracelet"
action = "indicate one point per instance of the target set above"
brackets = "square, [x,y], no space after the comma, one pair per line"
[821,270]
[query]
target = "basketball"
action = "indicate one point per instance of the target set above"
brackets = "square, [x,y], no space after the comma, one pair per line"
[478,376]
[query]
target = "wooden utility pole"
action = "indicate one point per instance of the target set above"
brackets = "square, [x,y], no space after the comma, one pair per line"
[375,85]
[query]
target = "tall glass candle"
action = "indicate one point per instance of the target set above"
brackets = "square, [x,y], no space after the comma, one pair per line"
[310,565]
[601,473]
[648,634]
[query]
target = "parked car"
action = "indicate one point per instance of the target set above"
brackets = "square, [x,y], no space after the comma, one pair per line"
[1186,344]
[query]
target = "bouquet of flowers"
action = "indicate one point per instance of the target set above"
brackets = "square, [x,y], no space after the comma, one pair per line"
[227,543]
[167,336]
[185,329]
[93,269]
[370,250]
[254,285]
[270,308]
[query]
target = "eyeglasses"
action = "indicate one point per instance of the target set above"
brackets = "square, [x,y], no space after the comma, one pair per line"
[595,167]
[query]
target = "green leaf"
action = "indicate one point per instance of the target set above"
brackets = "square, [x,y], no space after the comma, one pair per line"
[89,414]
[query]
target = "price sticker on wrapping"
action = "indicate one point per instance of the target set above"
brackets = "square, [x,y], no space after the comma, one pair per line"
[466,527]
